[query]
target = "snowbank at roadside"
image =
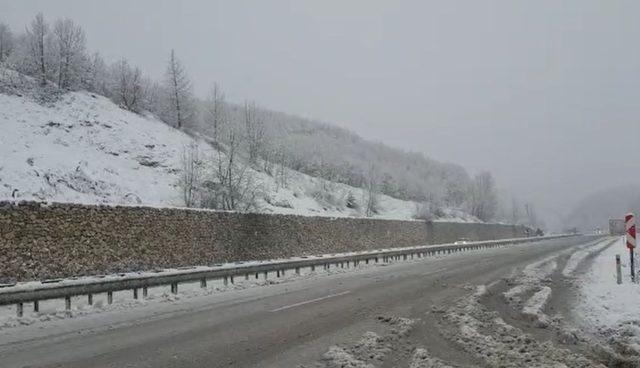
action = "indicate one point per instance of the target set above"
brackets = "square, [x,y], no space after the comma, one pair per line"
[603,301]
[607,309]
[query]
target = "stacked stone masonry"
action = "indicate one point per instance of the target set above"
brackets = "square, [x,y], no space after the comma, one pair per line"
[40,240]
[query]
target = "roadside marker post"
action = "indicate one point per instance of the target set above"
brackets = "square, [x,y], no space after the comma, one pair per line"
[618,270]
[630,228]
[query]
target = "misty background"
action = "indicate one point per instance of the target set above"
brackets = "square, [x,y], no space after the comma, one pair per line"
[542,94]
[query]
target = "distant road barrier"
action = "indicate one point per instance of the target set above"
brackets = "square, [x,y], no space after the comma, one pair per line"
[34,292]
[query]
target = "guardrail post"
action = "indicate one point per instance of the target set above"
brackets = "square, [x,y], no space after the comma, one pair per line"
[265,274]
[277,273]
[145,292]
[135,293]
[231,279]
[19,309]
[90,299]
[225,281]
[313,268]
[297,270]
[36,306]
[67,303]
[203,282]
[109,297]
[174,288]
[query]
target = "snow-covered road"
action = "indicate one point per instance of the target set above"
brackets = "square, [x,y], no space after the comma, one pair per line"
[421,313]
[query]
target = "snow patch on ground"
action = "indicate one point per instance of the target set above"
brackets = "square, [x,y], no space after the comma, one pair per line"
[372,348]
[609,310]
[483,334]
[580,255]
[534,307]
[422,359]
[531,278]
[338,357]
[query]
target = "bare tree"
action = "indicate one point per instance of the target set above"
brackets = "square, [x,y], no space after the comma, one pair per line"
[254,131]
[371,188]
[515,211]
[127,90]
[530,213]
[6,41]
[191,176]
[179,92]
[215,110]
[95,78]
[282,163]
[70,48]
[235,187]
[152,96]
[483,197]
[36,36]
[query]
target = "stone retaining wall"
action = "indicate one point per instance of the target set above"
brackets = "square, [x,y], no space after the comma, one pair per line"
[59,240]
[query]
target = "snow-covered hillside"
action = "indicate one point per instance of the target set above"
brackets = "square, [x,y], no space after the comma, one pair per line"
[83,148]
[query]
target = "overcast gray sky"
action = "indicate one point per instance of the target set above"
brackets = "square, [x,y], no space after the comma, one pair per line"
[545,94]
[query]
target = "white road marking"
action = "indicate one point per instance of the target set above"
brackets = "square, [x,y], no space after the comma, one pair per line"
[309,301]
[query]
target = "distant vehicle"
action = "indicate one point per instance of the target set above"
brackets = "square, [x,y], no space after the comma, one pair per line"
[462,241]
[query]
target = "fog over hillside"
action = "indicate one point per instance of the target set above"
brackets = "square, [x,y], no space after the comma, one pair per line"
[597,208]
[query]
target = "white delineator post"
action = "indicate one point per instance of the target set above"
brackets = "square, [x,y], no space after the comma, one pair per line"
[630,227]
[618,270]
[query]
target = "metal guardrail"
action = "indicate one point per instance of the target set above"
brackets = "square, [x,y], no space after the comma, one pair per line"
[34,292]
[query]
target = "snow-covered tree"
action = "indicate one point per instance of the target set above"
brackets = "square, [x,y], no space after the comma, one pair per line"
[371,188]
[483,197]
[69,43]
[179,107]
[126,85]
[282,163]
[6,42]
[530,214]
[153,94]
[191,177]
[37,34]
[234,185]
[95,75]
[254,131]
[215,112]
[515,211]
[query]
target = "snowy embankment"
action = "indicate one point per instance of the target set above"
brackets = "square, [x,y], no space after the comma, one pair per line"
[82,148]
[607,309]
